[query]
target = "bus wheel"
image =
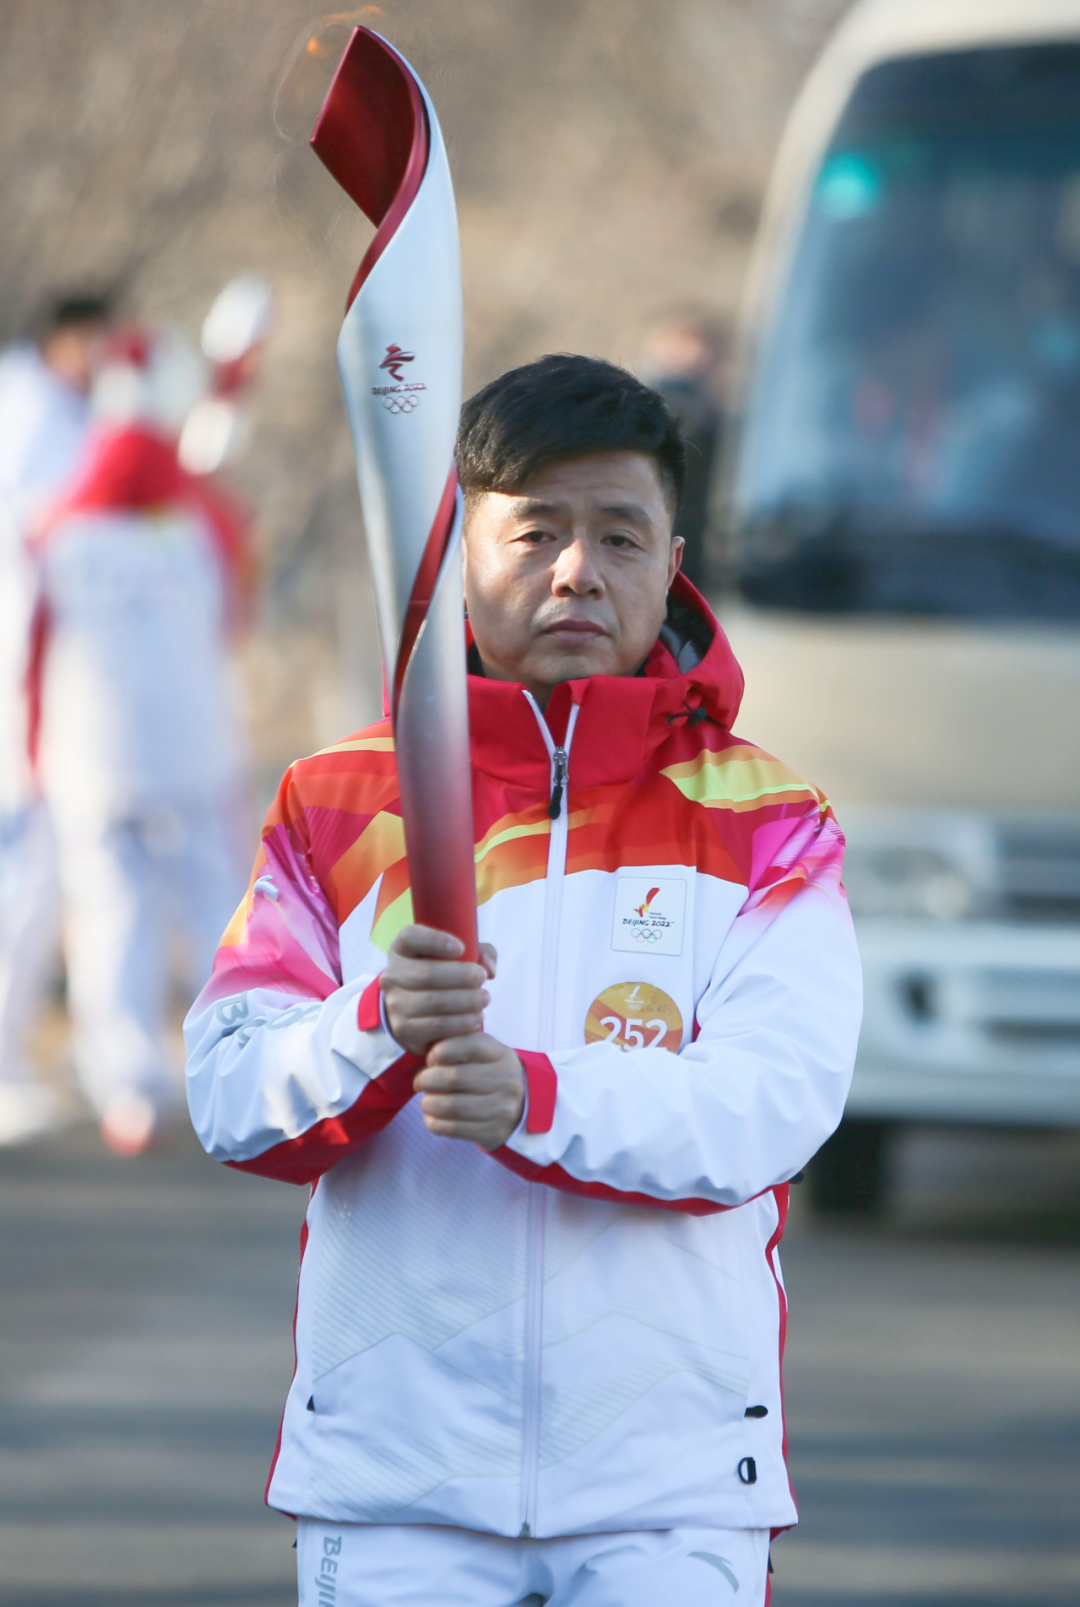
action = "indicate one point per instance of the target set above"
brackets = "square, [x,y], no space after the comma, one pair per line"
[847,1176]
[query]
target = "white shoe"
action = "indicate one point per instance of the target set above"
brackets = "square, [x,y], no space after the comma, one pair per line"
[27,1111]
[133,1123]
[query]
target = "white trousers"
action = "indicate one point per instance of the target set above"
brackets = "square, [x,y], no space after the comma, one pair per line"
[417,1565]
[29,930]
[130,888]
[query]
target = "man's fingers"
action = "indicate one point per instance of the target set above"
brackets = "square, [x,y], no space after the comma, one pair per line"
[425,1030]
[489,959]
[451,1001]
[468,1078]
[475,1048]
[424,942]
[468,1108]
[471,1087]
[422,975]
[489,1135]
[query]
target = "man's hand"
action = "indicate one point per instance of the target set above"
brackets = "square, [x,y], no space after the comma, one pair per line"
[430,992]
[472,1087]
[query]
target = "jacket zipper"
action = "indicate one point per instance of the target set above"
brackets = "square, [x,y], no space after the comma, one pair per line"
[559,767]
[558,813]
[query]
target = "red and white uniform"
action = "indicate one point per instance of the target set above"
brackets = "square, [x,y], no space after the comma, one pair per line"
[581,1332]
[136,742]
[43,424]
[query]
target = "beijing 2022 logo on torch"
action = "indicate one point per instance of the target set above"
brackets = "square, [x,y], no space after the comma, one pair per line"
[401,397]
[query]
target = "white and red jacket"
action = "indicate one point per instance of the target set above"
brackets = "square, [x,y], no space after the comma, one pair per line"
[130,685]
[43,424]
[582,1331]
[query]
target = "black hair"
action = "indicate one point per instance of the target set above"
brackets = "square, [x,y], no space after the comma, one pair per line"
[563,406]
[81,307]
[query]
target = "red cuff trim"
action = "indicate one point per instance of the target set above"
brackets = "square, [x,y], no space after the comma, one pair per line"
[368,1012]
[543,1085]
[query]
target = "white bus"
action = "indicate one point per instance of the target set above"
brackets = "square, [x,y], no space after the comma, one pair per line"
[906,544]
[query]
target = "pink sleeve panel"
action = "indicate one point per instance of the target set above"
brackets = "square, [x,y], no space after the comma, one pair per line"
[284,935]
[289,1069]
[790,854]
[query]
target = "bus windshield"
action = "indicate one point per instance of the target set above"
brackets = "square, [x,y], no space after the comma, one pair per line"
[912,442]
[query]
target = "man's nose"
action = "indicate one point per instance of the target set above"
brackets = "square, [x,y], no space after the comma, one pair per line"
[576,572]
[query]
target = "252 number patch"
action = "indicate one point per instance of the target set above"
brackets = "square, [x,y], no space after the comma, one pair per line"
[634,1015]
[628,1034]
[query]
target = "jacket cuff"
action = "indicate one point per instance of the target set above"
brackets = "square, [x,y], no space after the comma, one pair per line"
[371,1013]
[369,1017]
[543,1086]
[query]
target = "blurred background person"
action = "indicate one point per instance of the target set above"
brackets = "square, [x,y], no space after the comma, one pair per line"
[44,415]
[683,359]
[143,576]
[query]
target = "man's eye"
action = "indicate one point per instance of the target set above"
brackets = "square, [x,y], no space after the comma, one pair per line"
[618,540]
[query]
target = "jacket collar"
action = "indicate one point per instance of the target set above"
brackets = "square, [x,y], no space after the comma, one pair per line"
[622,719]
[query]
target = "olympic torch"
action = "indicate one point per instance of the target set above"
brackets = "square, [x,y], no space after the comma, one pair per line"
[399,356]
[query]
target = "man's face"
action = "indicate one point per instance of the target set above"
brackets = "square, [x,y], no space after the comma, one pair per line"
[569,576]
[72,350]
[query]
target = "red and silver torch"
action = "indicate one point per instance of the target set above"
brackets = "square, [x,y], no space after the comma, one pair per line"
[400,355]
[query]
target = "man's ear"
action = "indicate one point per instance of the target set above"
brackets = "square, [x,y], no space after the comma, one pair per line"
[675,557]
[465,522]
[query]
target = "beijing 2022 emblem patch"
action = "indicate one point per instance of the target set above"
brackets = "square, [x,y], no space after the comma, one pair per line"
[649,915]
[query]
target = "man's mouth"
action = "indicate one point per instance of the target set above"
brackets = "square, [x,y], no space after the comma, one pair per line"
[574,629]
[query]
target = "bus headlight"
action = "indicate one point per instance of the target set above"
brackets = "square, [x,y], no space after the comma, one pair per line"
[906,881]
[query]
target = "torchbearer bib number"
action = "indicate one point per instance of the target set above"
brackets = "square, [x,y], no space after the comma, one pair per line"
[634,1015]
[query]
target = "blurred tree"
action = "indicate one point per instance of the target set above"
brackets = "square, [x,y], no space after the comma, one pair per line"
[608,157]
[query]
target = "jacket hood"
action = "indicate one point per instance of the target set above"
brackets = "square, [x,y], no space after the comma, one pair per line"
[690,675]
[134,469]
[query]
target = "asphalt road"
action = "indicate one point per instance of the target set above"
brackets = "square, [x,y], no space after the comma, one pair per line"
[933,1383]
[933,1386]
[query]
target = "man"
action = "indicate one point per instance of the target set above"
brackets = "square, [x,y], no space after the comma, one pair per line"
[44,400]
[540,1313]
[138,749]
[44,414]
